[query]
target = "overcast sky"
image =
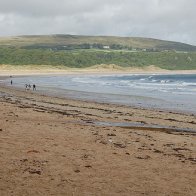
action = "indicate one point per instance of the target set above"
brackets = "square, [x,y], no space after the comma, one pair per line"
[163,19]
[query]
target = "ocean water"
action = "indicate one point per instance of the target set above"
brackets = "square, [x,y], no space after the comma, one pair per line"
[170,92]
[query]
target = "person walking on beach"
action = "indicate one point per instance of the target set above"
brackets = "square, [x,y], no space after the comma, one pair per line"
[11,82]
[34,87]
[27,86]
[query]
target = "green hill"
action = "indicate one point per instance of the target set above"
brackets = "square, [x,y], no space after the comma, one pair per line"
[85,51]
[52,41]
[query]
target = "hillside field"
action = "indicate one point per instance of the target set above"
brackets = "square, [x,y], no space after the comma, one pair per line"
[85,51]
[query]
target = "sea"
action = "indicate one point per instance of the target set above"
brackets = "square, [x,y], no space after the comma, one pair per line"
[176,92]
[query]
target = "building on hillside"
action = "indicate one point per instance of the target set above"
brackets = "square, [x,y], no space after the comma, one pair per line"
[106,47]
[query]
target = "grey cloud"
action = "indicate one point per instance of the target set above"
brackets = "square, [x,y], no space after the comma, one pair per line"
[163,19]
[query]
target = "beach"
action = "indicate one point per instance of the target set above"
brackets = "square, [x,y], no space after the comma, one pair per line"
[19,70]
[60,146]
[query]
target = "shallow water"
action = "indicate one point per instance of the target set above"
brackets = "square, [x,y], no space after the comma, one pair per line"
[172,92]
[134,125]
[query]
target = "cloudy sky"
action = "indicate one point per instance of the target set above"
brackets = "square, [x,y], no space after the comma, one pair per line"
[163,19]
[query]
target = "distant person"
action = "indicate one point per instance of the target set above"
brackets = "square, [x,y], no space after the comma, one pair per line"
[34,87]
[11,82]
[26,86]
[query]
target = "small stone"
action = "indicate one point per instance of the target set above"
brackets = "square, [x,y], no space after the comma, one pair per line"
[111,134]
[103,142]
[77,171]
[157,151]
[143,157]
[88,166]
[34,171]
[119,145]
[33,151]
[96,133]
[86,156]
[24,160]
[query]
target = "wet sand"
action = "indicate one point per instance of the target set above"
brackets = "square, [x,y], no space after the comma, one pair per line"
[54,146]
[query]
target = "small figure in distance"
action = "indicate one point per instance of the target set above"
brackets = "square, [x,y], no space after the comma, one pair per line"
[11,82]
[26,86]
[29,86]
[34,87]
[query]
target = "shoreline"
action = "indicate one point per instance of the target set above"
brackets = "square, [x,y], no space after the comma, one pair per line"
[13,91]
[93,100]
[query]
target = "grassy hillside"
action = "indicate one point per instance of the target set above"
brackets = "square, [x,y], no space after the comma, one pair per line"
[85,58]
[85,51]
[66,40]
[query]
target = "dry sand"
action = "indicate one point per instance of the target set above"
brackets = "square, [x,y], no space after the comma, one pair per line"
[51,146]
[7,70]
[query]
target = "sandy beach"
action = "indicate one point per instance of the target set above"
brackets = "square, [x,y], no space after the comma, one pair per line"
[55,146]
[7,70]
